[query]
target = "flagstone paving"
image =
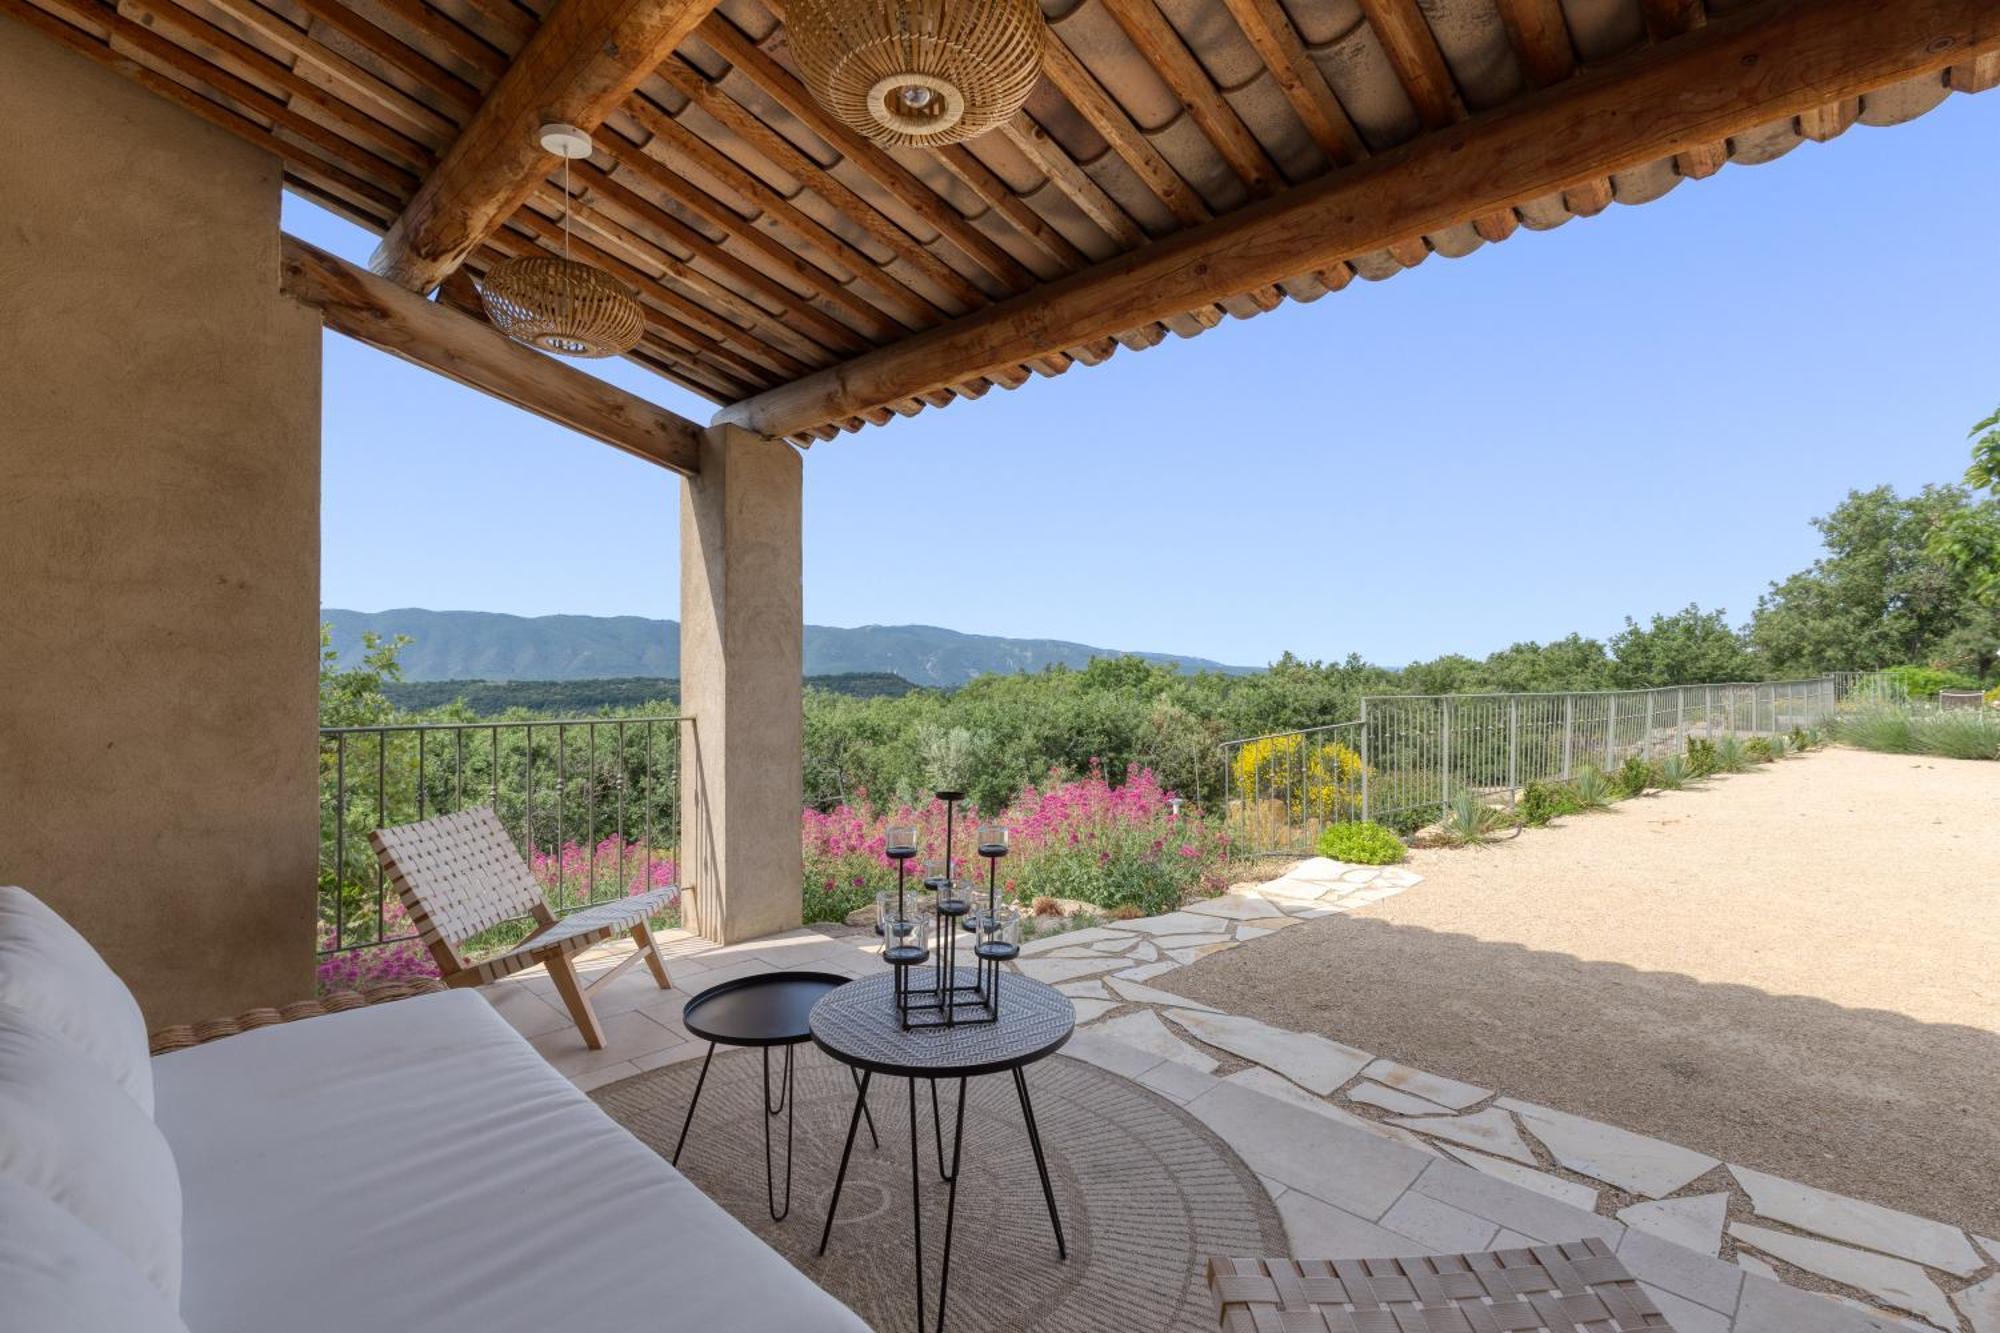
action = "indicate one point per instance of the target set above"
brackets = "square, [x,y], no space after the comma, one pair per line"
[1367,1157]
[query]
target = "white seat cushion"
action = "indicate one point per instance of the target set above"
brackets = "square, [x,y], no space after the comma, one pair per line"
[50,972]
[72,1135]
[59,1276]
[417,1166]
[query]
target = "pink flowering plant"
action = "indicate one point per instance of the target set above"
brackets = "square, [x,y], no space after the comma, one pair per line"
[1131,845]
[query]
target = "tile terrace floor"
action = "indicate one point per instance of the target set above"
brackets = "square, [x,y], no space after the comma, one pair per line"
[1365,1157]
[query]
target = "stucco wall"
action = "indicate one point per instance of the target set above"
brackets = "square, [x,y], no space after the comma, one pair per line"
[742,651]
[159,540]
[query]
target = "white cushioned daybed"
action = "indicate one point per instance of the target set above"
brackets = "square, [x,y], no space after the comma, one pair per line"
[404,1166]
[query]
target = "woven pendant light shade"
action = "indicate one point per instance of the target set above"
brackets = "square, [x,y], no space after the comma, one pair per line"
[561,306]
[918,73]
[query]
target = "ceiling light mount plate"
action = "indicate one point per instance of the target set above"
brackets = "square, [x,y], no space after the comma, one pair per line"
[565,141]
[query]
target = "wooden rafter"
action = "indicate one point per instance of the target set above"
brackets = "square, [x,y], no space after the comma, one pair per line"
[1758,64]
[357,303]
[585,59]
[1270,30]
[1167,51]
[1110,120]
[1540,37]
[1671,18]
[1413,50]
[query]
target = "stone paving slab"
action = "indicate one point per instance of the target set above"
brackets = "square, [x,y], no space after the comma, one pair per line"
[1895,1282]
[1694,1223]
[1616,1156]
[1491,1130]
[1541,1182]
[1827,1214]
[1309,1060]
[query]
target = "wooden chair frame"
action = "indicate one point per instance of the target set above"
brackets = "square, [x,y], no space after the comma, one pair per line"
[460,874]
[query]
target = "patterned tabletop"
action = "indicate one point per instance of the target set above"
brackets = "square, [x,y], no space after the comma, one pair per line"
[857,1025]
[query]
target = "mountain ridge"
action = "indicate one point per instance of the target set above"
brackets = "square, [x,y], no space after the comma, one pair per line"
[494,645]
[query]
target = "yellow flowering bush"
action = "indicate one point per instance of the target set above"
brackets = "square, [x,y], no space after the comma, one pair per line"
[1315,779]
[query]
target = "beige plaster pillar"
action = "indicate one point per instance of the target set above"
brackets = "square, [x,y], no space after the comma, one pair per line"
[742,652]
[159,540]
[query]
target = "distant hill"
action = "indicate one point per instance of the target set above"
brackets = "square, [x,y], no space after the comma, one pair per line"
[489,646]
[489,698]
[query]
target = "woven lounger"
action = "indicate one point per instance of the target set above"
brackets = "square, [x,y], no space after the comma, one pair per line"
[1574,1288]
[459,874]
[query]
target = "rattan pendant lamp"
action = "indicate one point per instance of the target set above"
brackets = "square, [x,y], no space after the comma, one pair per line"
[556,303]
[918,73]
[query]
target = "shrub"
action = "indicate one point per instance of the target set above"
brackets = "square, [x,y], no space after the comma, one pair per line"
[1315,779]
[1780,747]
[1593,790]
[1362,844]
[1899,731]
[1548,800]
[1702,759]
[1730,756]
[1674,774]
[1923,682]
[1757,750]
[1470,822]
[1635,776]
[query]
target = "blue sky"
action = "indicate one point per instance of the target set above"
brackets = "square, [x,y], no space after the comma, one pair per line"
[1618,417]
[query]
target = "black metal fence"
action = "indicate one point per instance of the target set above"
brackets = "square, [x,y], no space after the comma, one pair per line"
[593,803]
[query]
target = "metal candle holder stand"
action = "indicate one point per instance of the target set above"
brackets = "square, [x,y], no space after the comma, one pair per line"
[947,1002]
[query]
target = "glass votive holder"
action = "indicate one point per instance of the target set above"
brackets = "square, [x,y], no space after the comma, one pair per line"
[899,841]
[902,928]
[999,934]
[993,840]
[954,897]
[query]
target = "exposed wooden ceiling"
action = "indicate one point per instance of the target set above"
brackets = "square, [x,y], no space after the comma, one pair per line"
[1183,161]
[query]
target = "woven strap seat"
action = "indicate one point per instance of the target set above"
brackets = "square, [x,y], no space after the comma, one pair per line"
[1575,1288]
[578,931]
[460,874]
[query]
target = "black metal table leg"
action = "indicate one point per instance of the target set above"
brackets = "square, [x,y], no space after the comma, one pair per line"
[937,1131]
[916,1203]
[788,1105]
[840,1178]
[1041,1164]
[693,1102]
[950,1207]
[861,1086]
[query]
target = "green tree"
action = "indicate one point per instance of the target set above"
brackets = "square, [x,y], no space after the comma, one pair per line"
[352,696]
[1689,647]
[1883,593]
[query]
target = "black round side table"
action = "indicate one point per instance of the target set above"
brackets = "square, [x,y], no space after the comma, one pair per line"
[860,1026]
[766,1010]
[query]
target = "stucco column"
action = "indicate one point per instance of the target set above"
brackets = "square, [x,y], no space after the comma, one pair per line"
[742,645]
[159,568]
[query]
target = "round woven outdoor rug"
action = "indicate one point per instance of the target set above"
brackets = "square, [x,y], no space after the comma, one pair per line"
[1145,1192]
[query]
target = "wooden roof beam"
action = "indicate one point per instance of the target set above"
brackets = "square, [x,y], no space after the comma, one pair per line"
[355,302]
[1759,64]
[1540,36]
[1413,50]
[585,59]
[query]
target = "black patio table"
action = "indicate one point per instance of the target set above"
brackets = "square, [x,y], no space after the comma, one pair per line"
[858,1025]
[765,1010]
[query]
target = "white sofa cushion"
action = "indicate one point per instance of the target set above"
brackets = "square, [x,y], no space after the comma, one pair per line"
[50,972]
[417,1166]
[59,1276]
[68,1132]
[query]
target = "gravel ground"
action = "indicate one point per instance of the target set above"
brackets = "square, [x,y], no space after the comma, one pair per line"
[1796,968]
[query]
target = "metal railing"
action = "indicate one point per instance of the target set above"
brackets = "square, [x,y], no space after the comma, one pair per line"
[1405,757]
[593,803]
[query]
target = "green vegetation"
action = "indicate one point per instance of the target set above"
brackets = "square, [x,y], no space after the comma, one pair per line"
[1673,773]
[1953,734]
[1363,843]
[1542,802]
[1757,750]
[1729,756]
[1593,790]
[1635,777]
[1470,821]
[1702,758]
[574,698]
[1922,683]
